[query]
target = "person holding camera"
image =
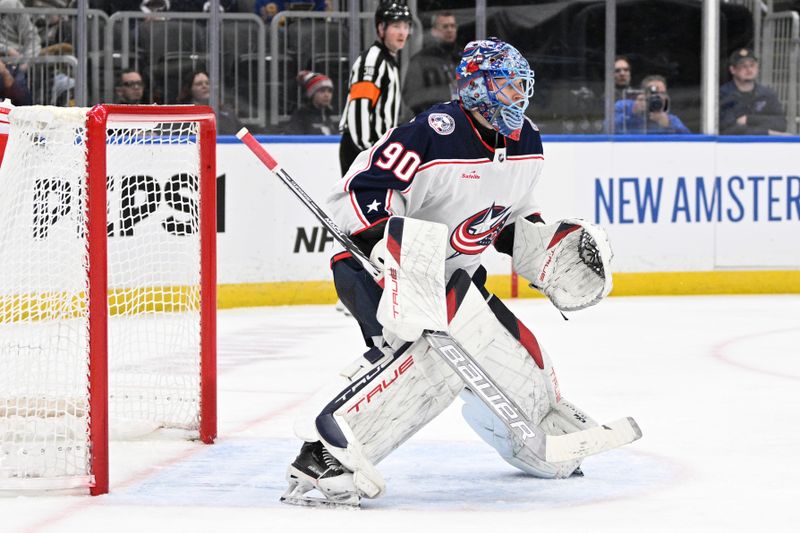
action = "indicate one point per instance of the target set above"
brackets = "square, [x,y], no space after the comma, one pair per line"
[648,112]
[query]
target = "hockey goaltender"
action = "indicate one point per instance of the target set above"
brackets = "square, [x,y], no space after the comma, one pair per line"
[416,211]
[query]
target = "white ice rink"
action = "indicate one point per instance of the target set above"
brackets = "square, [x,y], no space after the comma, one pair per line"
[714,383]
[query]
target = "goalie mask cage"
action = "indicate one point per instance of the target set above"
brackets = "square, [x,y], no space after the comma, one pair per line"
[107,286]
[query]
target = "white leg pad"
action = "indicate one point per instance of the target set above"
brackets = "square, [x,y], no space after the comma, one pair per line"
[477,329]
[387,404]
[383,408]
[495,433]
[525,374]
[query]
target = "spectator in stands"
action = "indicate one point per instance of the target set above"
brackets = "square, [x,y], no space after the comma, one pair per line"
[18,35]
[622,78]
[129,87]
[745,106]
[51,28]
[266,9]
[197,90]
[648,112]
[13,86]
[430,78]
[55,31]
[315,118]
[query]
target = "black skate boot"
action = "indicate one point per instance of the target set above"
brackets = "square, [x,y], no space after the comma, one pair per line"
[316,468]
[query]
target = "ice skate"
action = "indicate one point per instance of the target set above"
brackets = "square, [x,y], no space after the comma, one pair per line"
[316,469]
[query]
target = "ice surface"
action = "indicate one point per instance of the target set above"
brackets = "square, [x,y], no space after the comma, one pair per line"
[714,382]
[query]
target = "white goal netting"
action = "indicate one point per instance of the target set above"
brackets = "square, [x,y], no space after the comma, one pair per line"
[154,289]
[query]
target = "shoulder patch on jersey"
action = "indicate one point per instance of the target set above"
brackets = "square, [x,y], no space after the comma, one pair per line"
[533,125]
[442,123]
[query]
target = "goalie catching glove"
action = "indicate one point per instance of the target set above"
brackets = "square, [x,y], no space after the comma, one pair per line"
[568,261]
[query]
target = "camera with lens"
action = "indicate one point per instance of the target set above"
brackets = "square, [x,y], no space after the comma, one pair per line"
[656,102]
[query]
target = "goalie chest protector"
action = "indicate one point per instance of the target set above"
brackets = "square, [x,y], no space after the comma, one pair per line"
[437,168]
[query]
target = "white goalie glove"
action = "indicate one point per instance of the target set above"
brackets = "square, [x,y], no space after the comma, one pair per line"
[568,261]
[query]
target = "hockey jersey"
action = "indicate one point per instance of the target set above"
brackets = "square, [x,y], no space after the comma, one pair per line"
[438,168]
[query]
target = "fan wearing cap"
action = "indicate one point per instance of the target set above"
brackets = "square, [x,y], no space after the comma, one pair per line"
[316,116]
[747,107]
[373,99]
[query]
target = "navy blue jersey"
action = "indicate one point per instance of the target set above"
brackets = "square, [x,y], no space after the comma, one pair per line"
[438,168]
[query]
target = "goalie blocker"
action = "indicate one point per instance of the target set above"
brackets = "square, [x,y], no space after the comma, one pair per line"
[395,392]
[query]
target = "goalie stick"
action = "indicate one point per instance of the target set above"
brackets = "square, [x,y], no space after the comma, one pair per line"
[247,138]
[550,448]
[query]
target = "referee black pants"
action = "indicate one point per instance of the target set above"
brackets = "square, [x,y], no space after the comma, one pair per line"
[348,151]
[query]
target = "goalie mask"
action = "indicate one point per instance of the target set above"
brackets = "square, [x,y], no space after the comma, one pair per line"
[497,81]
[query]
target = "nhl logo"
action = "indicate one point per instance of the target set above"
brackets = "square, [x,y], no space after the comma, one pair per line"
[442,123]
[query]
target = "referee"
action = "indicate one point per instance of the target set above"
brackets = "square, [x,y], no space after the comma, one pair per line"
[373,102]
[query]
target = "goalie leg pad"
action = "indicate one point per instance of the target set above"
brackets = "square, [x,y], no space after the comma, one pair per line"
[515,369]
[559,421]
[510,353]
[383,408]
[568,261]
[360,473]
[388,403]
[389,400]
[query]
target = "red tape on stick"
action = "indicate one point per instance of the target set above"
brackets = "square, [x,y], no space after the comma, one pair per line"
[247,138]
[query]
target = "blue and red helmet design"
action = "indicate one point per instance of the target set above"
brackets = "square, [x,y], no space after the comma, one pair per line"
[486,69]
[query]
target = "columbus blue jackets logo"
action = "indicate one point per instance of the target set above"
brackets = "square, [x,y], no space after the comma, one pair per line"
[472,236]
[442,123]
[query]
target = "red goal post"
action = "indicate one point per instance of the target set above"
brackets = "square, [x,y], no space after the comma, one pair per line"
[107,285]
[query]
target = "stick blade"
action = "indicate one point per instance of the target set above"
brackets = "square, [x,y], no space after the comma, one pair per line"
[592,441]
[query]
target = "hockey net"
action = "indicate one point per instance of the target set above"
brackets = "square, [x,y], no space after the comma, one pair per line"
[107,286]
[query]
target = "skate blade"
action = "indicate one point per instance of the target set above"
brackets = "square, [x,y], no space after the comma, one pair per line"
[353,502]
[300,485]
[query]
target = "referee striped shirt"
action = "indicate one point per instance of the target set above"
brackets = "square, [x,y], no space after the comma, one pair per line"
[373,103]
